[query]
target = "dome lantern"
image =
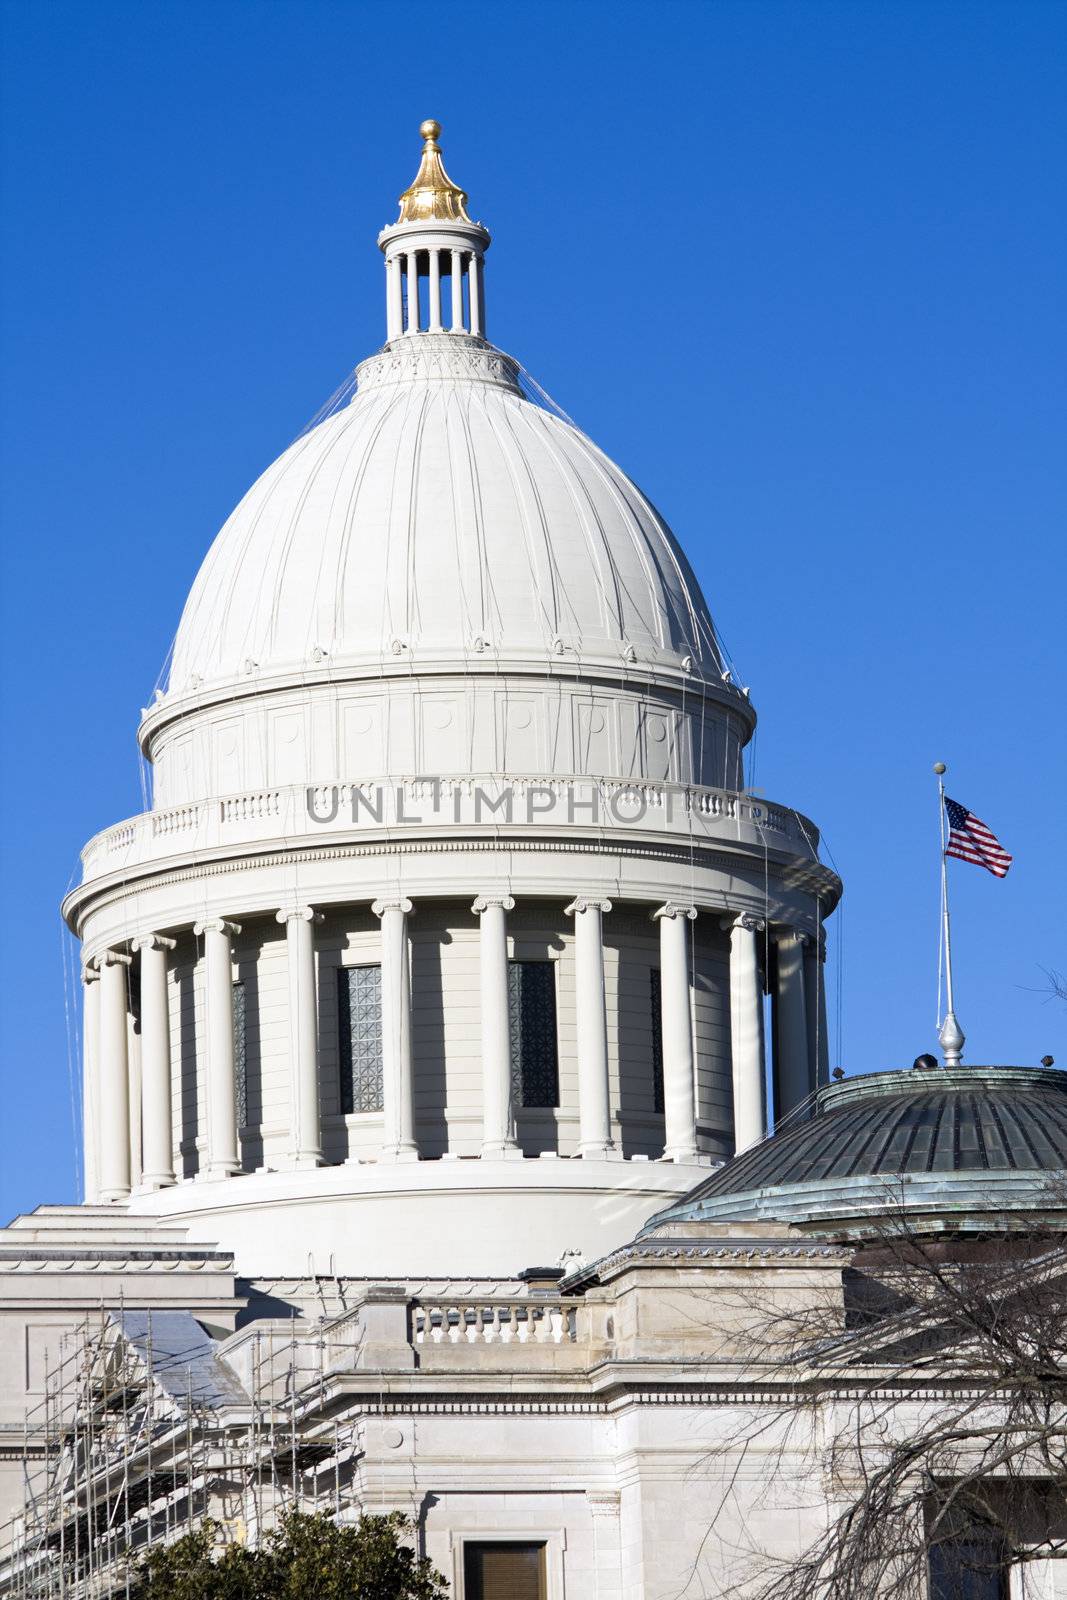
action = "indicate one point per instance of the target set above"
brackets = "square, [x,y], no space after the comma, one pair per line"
[433,240]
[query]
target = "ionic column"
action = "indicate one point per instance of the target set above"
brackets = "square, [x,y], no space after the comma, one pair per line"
[394,298]
[676,1021]
[398,1078]
[133,1067]
[157,1132]
[498,1128]
[474,289]
[435,291]
[114,1169]
[594,1106]
[223,1158]
[305,1148]
[90,1085]
[791,1079]
[457,291]
[746,1031]
[413,291]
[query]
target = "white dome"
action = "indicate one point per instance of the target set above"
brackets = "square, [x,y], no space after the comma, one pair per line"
[441,516]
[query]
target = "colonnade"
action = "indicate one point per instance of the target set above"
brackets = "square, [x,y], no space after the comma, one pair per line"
[403,312]
[800,1031]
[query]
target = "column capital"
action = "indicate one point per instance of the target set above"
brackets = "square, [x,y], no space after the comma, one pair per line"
[780,934]
[586,903]
[745,920]
[603,1502]
[114,958]
[216,925]
[396,903]
[506,902]
[154,941]
[671,908]
[91,970]
[298,914]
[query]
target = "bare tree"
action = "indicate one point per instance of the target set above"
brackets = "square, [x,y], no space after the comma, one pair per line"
[922,1401]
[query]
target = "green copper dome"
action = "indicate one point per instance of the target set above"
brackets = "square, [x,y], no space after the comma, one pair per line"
[962,1148]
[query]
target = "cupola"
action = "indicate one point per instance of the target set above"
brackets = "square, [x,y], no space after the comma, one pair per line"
[434,254]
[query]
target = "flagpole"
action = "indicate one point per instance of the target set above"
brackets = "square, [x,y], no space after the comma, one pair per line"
[951,1038]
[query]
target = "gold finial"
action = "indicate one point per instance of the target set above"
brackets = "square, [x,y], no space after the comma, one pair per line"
[433,197]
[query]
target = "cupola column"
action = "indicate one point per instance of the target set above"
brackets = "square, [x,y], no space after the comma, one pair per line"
[223,1158]
[90,1086]
[746,1031]
[792,1078]
[457,291]
[394,297]
[498,1127]
[306,1139]
[594,1105]
[157,1134]
[676,1022]
[435,292]
[476,285]
[413,291]
[398,1078]
[114,1078]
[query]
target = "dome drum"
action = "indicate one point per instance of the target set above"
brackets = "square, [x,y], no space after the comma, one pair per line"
[446,725]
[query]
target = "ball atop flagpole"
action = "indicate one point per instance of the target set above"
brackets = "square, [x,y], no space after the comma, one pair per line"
[940,768]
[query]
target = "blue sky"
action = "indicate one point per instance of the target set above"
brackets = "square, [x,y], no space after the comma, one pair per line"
[798,267]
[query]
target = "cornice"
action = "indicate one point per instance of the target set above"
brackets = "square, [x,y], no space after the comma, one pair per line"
[681,1253]
[787,871]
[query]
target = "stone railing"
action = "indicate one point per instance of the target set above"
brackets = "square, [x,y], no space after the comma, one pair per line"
[400,807]
[466,1321]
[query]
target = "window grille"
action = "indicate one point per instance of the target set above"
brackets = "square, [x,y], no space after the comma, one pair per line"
[532,1025]
[504,1571]
[359,1033]
[656,1018]
[240,1054]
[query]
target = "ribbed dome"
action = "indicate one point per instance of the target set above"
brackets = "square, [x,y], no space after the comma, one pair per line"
[439,516]
[938,1130]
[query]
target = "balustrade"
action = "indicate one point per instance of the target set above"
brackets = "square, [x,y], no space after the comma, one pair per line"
[485,1322]
[298,811]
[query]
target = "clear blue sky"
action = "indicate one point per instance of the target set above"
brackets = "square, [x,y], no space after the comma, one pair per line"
[798,267]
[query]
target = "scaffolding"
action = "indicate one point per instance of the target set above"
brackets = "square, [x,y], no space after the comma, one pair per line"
[143,1430]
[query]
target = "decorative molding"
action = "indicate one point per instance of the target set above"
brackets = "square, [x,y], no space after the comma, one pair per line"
[446,357]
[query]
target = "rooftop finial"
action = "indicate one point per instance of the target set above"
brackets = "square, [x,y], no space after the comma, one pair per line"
[433,197]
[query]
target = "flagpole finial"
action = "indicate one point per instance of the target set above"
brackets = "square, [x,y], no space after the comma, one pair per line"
[951,1040]
[940,768]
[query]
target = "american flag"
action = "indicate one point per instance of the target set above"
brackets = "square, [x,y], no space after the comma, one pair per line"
[971,840]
